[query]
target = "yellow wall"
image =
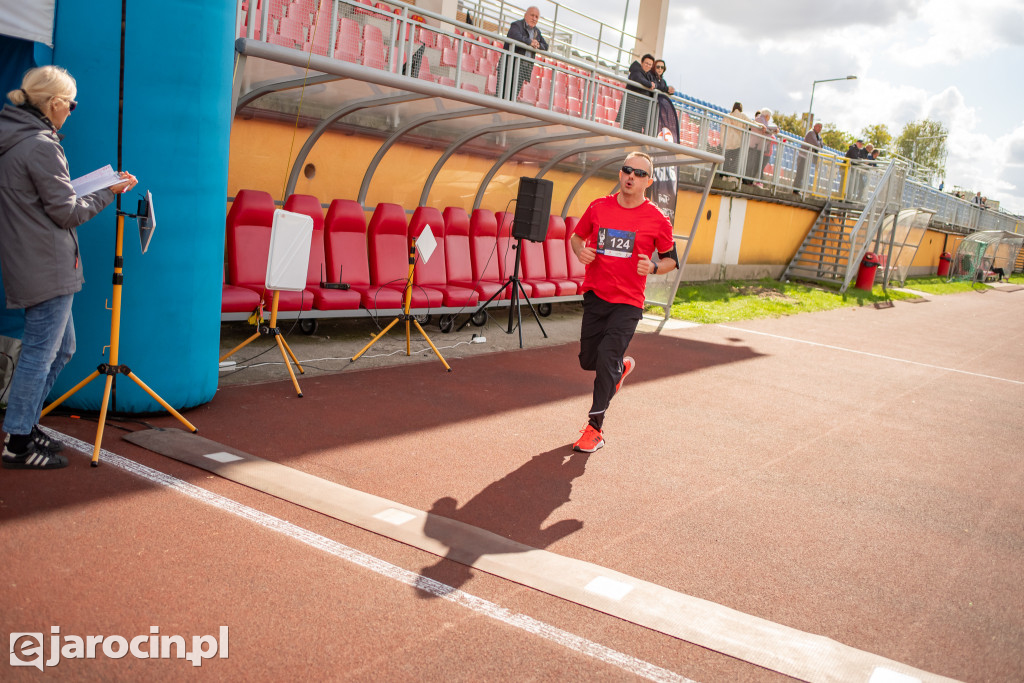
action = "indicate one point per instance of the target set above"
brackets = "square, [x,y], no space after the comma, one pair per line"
[704,241]
[262,153]
[932,246]
[773,232]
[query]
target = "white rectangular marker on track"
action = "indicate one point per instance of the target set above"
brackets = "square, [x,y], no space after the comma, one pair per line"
[223,457]
[609,588]
[394,516]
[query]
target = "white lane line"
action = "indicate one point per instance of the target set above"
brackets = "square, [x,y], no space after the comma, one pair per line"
[873,355]
[481,606]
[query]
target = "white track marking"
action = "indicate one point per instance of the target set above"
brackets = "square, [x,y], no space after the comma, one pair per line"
[872,355]
[481,606]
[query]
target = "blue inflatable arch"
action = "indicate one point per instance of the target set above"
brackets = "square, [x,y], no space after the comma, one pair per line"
[176,126]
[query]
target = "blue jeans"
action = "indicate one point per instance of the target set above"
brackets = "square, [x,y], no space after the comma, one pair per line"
[46,346]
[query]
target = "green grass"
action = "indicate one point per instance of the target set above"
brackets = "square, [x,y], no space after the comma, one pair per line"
[732,300]
[938,285]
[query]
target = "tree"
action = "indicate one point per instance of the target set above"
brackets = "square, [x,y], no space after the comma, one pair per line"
[878,135]
[791,123]
[924,143]
[835,138]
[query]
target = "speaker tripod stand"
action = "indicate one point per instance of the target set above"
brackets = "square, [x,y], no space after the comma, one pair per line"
[407,318]
[515,312]
[112,369]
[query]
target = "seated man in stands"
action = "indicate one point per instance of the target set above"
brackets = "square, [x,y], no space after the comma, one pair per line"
[525,31]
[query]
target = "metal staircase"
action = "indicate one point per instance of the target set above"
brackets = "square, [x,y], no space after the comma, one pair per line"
[825,252]
[843,232]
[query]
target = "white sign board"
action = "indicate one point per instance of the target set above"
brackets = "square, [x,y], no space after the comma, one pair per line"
[288,259]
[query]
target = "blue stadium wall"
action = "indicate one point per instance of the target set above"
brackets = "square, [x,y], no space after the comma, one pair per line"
[177,98]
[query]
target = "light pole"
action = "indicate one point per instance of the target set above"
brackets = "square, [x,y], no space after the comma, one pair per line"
[810,109]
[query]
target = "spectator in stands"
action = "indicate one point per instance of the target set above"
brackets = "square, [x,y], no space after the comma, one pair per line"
[812,143]
[659,78]
[667,118]
[855,153]
[734,138]
[614,239]
[637,102]
[760,152]
[39,254]
[525,31]
[977,201]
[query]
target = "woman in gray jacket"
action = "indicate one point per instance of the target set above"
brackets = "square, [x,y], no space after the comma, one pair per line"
[39,256]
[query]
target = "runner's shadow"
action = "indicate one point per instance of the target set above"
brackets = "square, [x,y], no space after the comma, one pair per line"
[513,508]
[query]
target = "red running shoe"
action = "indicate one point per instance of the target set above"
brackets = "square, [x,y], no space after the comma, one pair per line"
[627,367]
[591,440]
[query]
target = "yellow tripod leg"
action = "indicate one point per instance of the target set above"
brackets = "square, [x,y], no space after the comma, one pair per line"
[103,420]
[156,397]
[94,375]
[239,347]
[290,353]
[291,373]
[374,340]
[439,356]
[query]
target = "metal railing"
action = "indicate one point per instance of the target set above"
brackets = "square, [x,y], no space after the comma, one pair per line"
[571,34]
[396,38]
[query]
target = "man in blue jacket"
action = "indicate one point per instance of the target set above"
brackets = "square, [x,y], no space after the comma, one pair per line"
[525,31]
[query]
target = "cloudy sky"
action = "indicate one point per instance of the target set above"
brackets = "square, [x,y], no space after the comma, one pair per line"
[957,62]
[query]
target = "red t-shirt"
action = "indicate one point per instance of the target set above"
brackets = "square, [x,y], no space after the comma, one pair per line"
[620,235]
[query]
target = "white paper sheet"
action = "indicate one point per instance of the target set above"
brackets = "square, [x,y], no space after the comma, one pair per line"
[97,180]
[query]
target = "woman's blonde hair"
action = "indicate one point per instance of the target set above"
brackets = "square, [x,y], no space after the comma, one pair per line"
[42,84]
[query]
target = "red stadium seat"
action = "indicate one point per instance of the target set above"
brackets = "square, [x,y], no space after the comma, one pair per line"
[577,271]
[533,270]
[252,207]
[345,246]
[348,46]
[556,259]
[433,274]
[507,250]
[388,241]
[458,254]
[324,299]
[483,250]
[237,299]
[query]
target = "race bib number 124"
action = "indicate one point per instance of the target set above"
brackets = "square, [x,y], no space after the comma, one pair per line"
[617,243]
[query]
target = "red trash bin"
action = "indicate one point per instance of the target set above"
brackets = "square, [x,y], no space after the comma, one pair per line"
[944,262]
[866,272]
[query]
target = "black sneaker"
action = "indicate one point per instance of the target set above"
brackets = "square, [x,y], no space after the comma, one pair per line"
[40,437]
[34,457]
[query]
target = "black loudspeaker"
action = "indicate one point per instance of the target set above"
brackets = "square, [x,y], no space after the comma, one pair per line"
[533,209]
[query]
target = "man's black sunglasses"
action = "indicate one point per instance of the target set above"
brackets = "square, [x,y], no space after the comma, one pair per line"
[638,172]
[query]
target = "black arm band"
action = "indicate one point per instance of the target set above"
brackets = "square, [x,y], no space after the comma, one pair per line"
[671,253]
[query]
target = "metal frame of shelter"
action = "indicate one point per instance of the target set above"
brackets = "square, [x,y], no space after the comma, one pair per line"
[898,240]
[980,252]
[325,94]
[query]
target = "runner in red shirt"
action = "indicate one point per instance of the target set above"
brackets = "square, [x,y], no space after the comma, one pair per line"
[614,239]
